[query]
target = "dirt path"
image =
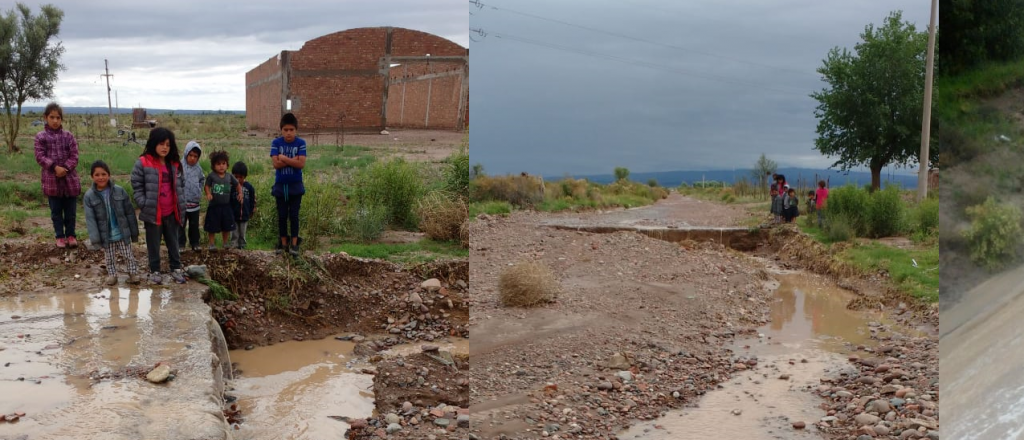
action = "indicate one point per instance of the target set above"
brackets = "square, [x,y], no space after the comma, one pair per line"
[675,211]
[643,326]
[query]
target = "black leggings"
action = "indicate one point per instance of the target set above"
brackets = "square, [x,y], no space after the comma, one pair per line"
[192,223]
[288,211]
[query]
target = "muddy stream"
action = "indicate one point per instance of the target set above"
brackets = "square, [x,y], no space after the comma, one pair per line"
[807,338]
[307,389]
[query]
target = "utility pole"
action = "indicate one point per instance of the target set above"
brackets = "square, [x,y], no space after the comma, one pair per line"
[926,121]
[110,108]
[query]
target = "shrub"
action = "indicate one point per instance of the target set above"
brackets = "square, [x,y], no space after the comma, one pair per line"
[441,215]
[926,215]
[838,229]
[851,204]
[394,185]
[621,173]
[885,213]
[368,222]
[521,191]
[652,182]
[456,173]
[526,284]
[995,233]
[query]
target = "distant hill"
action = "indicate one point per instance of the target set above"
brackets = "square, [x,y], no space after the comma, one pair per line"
[804,177]
[128,111]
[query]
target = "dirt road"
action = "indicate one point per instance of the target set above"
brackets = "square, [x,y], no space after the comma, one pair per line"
[644,326]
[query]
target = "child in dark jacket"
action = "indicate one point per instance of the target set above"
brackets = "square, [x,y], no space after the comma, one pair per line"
[157,187]
[110,218]
[243,210]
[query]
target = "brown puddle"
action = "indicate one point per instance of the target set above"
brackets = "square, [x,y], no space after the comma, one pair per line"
[63,358]
[809,328]
[289,390]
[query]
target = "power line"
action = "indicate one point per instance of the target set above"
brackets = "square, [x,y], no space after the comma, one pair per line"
[479,5]
[482,33]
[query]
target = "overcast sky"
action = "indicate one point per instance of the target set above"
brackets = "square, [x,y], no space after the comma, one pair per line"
[192,54]
[712,86]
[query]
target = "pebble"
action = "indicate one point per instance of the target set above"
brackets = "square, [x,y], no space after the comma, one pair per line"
[442,422]
[799,425]
[393,428]
[159,374]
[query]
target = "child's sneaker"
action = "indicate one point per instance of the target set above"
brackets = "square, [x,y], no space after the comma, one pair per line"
[178,276]
[61,243]
[72,242]
[134,279]
[294,250]
[156,278]
[280,249]
[110,280]
[211,247]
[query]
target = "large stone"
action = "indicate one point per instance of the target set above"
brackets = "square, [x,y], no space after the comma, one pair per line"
[618,362]
[431,285]
[393,428]
[866,419]
[159,374]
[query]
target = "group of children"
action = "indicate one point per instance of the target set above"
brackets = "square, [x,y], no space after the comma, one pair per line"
[167,190]
[785,204]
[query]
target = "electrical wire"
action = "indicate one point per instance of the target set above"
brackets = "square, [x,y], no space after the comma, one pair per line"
[481,5]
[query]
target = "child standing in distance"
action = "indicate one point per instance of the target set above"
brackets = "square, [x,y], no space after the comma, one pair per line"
[192,174]
[158,187]
[810,202]
[242,208]
[288,154]
[776,206]
[110,218]
[791,208]
[819,200]
[57,153]
[219,187]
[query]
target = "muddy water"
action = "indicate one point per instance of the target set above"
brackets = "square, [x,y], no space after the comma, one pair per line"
[289,390]
[806,336]
[52,345]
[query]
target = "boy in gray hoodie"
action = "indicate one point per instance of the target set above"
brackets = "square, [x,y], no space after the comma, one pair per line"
[195,181]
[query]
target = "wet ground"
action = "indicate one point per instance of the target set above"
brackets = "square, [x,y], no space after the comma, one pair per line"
[809,334]
[676,210]
[308,389]
[982,348]
[74,362]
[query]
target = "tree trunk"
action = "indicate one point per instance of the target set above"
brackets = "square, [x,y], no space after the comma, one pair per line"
[876,177]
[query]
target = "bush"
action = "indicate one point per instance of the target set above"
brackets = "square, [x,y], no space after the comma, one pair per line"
[521,191]
[926,215]
[995,233]
[885,213]
[621,173]
[456,173]
[441,215]
[368,223]
[838,229]
[527,284]
[851,204]
[394,185]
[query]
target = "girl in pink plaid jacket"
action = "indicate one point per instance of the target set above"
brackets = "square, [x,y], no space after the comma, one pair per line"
[57,154]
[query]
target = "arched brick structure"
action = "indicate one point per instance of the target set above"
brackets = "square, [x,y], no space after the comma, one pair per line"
[363,79]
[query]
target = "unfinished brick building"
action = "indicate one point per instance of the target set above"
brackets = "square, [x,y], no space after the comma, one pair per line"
[363,79]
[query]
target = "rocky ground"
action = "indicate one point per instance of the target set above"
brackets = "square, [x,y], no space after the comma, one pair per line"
[642,326]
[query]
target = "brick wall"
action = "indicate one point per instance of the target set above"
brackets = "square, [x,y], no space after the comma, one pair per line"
[346,72]
[263,96]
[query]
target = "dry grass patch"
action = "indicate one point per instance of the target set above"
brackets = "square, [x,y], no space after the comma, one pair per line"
[441,217]
[527,284]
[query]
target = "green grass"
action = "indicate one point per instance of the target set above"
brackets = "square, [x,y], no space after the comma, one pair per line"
[405,253]
[920,282]
[490,208]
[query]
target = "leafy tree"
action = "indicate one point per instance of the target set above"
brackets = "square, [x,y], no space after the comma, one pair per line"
[28,62]
[476,171]
[762,169]
[621,173]
[982,30]
[871,113]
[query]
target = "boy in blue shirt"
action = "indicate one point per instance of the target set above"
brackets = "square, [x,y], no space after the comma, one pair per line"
[288,154]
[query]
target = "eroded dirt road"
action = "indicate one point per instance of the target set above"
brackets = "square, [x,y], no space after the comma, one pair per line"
[684,340]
